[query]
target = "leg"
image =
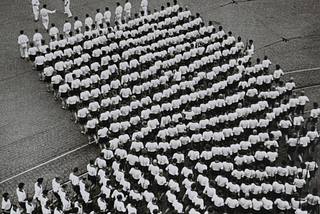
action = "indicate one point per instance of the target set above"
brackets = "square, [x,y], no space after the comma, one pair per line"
[45,23]
[35,13]
[21,52]
[67,10]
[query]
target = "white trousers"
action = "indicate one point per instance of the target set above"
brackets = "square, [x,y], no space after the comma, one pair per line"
[145,9]
[127,15]
[45,22]
[35,12]
[24,50]
[118,18]
[37,43]
[67,10]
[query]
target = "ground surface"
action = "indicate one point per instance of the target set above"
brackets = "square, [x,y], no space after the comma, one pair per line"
[35,131]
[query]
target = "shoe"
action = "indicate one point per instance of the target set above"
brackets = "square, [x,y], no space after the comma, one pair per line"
[82,132]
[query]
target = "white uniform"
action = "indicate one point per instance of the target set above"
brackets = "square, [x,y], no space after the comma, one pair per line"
[45,17]
[67,8]
[118,14]
[67,28]
[144,6]
[127,11]
[23,44]
[35,8]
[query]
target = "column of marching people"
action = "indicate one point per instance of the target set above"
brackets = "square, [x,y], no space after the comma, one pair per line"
[185,122]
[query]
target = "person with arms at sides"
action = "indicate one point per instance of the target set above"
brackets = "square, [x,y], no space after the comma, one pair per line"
[35,9]
[23,45]
[127,11]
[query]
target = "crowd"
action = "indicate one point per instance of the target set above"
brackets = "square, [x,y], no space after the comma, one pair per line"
[185,121]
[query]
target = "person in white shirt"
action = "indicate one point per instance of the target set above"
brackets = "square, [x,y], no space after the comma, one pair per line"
[21,195]
[45,17]
[118,13]
[37,37]
[6,203]
[23,45]
[144,7]
[35,9]
[107,16]
[127,11]
[56,186]
[303,100]
[29,206]
[67,8]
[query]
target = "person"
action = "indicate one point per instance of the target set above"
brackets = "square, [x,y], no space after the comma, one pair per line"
[15,209]
[35,9]
[56,80]
[6,203]
[37,37]
[107,16]
[67,28]
[23,45]
[250,48]
[29,206]
[63,93]
[38,189]
[127,10]
[54,31]
[67,8]
[77,25]
[144,7]
[98,17]
[21,195]
[56,186]
[118,13]
[74,178]
[45,17]
[313,201]
[91,128]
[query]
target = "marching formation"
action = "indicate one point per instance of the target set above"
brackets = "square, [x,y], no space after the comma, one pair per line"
[185,121]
